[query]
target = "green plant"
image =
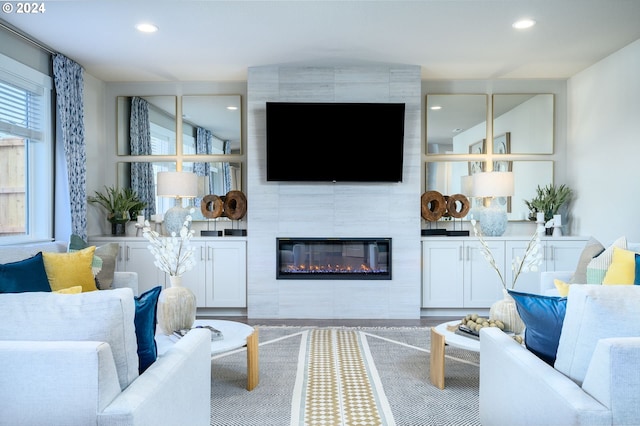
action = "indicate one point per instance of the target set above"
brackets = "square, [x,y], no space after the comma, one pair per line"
[548,200]
[118,202]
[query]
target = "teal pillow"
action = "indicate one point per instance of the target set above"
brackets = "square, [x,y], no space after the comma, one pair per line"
[636,279]
[543,317]
[145,323]
[24,276]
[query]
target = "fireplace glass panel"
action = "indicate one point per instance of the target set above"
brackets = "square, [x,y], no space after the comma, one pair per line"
[334,258]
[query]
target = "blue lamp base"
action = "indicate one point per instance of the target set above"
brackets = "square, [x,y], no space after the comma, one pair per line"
[493,221]
[174,219]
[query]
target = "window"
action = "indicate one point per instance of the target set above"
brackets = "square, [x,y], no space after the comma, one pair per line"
[26,154]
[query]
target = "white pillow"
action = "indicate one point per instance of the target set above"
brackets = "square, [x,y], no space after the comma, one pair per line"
[595,312]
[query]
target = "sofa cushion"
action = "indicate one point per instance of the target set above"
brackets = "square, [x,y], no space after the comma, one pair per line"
[598,266]
[70,269]
[591,249]
[595,312]
[145,321]
[14,253]
[24,275]
[542,317]
[104,260]
[622,269]
[103,316]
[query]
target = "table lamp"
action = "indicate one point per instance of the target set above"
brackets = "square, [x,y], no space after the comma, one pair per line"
[489,186]
[176,185]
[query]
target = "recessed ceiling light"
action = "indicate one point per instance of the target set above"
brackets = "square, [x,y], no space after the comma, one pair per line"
[523,24]
[436,107]
[146,28]
[232,108]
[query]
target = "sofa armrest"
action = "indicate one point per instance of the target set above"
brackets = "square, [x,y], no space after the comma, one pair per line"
[174,390]
[55,382]
[613,380]
[126,279]
[516,388]
[547,287]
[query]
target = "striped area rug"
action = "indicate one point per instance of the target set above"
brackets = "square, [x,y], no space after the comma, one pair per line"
[337,382]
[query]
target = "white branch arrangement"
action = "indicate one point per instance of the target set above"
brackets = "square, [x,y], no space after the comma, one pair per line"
[174,254]
[529,262]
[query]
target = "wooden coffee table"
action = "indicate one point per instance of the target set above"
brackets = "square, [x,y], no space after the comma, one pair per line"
[236,335]
[440,337]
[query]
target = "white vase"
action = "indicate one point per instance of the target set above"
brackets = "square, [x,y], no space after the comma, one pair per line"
[505,310]
[176,307]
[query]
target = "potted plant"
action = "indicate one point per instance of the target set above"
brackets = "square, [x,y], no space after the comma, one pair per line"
[119,203]
[548,200]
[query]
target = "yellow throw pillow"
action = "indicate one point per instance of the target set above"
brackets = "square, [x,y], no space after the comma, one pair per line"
[622,269]
[563,288]
[66,270]
[71,290]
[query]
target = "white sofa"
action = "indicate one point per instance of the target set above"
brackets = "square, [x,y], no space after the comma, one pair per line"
[72,360]
[594,380]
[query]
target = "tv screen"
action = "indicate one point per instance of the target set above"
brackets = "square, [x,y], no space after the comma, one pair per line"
[335,142]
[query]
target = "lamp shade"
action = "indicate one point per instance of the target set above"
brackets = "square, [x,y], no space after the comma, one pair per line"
[493,184]
[177,184]
[466,184]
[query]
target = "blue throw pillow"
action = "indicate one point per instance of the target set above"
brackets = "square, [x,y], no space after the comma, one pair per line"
[543,317]
[24,276]
[636,279]
[145,322]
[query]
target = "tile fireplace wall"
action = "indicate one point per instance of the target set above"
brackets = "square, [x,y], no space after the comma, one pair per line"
[390,210]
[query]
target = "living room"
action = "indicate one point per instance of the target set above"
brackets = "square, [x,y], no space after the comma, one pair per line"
[594,147]
[590,106]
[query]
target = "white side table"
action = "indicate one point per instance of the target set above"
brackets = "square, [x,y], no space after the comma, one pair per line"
[441,336]
[236,335]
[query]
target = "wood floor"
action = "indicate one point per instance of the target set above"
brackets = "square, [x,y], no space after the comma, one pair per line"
[421,322]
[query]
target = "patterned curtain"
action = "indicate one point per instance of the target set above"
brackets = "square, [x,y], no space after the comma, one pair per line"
[204,143]
[140,144]
[69,82]
[226,168]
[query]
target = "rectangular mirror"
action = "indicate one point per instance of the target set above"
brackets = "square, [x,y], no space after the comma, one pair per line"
[211,124]
[523,124]
[448,178]
[161,204]
[217,178]
[146,125]
[455,122]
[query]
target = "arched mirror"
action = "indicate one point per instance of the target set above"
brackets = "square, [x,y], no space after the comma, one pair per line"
[523,124]
[448,178]
[211,125]
[146,125]
[455,123]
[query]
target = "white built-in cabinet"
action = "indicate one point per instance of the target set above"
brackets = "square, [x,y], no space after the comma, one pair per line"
[455,274]
[218,279]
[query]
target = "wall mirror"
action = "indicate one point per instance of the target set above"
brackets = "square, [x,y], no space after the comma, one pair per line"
[455,123]
[211,124]
[523,123]
[136,114]
[446,177]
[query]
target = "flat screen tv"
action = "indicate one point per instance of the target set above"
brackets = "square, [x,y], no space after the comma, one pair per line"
[335,142]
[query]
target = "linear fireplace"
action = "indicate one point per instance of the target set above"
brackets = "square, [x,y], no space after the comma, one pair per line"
[334,258]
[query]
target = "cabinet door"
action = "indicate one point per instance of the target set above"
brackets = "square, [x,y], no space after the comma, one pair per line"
[138,258]
[442,274]
[482,285]
[563,255]
[196,279]
[528,282]
[226,274]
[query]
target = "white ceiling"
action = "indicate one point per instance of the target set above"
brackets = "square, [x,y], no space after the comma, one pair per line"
[218,40]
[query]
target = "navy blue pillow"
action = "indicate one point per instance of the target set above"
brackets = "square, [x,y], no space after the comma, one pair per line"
[24,276]
[145,322]
[543,317]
